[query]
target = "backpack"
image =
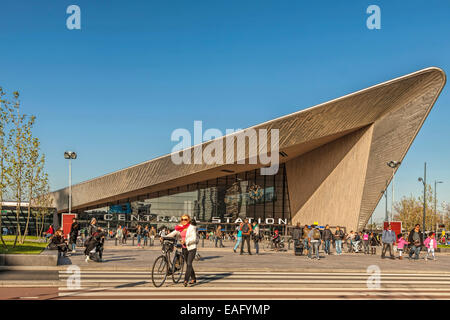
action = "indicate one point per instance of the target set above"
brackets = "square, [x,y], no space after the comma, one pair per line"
[316,234]
[245,228]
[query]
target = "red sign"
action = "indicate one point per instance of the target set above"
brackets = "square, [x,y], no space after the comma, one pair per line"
[396,226]
[67,220]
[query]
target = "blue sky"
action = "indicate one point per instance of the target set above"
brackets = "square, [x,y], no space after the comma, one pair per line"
[116,89]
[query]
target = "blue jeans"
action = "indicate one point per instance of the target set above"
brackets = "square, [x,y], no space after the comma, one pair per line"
[415,250]
[315,246]
[326,246]
[256,246]
[305,244]
[139,239]
[339,246]
[238,242]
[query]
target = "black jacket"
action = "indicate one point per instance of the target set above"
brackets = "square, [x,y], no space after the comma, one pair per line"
[339,235]
[74,229]
[410,238]
[327,235]
[297,233]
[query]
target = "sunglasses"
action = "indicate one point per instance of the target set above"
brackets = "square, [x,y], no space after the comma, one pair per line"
[185,219]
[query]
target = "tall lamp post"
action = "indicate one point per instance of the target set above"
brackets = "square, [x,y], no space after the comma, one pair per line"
[393,164]
[386,217]
[435,200]
[424,182]
[70,155]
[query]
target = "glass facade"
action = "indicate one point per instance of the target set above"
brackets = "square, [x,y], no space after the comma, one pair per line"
[9,221]
[218,201]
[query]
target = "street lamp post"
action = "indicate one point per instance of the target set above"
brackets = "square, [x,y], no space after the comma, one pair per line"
[386,217]
[424,182]
[393,164]
[435,200]
[70,155]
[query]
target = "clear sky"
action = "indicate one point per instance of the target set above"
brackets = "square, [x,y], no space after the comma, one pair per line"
[116,89]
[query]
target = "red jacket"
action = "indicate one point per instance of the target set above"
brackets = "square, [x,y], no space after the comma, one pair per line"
[50,230]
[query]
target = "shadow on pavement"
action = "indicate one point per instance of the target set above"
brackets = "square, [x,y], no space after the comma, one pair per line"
[209,257]
[210,278]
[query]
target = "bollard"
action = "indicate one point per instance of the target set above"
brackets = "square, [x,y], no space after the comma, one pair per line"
[115,243]
[133,241]
[289,245]
[203,242]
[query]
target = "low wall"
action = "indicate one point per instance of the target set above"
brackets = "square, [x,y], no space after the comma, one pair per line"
[46,258]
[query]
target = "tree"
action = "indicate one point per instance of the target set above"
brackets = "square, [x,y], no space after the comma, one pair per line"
[42,202]
[4,168]
[409,210]
[33,174]
[19,145]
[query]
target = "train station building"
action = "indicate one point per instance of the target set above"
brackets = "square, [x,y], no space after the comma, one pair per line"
[332,167]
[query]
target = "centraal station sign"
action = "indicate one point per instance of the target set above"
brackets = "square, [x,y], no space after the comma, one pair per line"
[174,219]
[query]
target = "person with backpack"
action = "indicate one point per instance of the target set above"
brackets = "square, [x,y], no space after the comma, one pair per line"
[314,240]
[256,236]
[145,233]
[246,231]
[327,236]
[338,237]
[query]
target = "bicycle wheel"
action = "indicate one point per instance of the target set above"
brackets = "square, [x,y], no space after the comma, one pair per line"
[178,268]
[159,271]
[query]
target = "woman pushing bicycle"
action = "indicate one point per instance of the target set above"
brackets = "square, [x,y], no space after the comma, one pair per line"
[188,234]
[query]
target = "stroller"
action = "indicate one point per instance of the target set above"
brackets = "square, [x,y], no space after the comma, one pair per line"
[94,246]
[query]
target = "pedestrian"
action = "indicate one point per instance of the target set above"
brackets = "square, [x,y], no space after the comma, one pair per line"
[124,235]
[246,229]
[401,242]
[139,235]
[327,236]
[276,239]
[152,235]
[365,239]
[119,234]
[373,240]
[314,239]
[297,236]
[338,237]
[306,231]
[74,229]
[238,236]
[415,240]
[145,233]
[350,240]
[92,227]
[188,234]
[431,245]
[219,235]
[388,240]
[256,236]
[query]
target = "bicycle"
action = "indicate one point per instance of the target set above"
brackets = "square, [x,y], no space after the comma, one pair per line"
[165,266]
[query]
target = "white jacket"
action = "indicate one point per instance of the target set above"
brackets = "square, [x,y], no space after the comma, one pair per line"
[191,237]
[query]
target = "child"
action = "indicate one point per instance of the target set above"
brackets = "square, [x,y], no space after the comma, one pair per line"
[431,245]
[401,245]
